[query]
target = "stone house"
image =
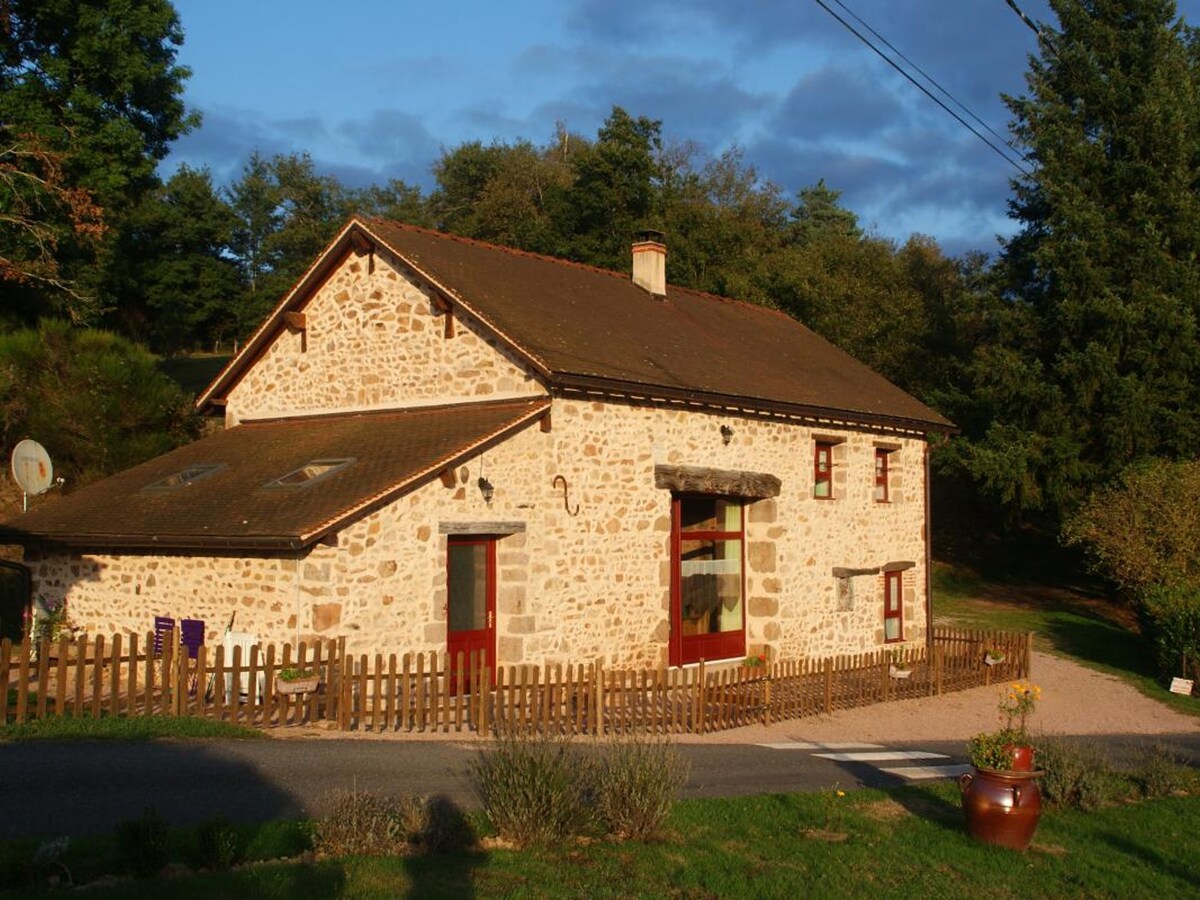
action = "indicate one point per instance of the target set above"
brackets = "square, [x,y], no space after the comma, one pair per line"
[438,444]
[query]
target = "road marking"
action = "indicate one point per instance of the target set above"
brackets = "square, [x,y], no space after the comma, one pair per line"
[882,756]
[918,773]
[811,745]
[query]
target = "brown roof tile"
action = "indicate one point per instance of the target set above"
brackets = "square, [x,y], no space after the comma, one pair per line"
[584,327]
[233,506]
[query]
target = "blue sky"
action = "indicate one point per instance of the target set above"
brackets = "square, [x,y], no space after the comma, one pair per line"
[376,89]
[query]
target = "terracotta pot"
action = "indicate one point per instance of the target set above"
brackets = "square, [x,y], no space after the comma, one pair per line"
[1002,808]
[1021,756]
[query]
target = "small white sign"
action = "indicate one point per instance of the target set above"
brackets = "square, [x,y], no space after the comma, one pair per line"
[1181,686]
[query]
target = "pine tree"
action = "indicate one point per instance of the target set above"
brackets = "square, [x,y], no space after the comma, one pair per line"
[1094,361]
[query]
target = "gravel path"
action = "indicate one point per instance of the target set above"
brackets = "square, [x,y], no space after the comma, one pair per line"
[1075,700]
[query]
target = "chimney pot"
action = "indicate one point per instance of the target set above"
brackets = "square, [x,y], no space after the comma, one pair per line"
[650,263]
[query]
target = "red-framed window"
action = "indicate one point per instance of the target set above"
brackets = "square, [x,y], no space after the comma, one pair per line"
[708,585]
[893,607]
[823,470]
[881,475]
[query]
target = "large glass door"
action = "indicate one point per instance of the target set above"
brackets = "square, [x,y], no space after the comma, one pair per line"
[708,619]
[471,604]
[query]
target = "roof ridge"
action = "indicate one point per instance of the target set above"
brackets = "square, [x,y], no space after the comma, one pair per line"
[488,245]
[558,260]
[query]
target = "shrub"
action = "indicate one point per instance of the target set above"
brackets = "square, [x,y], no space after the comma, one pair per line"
[1171,619]
[1144,530]
[217,845]
[636,782]
[1077,775]
[142,844]
[1158,772]
[362,824]
[534,791]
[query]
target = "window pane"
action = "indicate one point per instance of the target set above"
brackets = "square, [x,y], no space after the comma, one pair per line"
[709,514]
[467,586]
[891,629]
[710,586]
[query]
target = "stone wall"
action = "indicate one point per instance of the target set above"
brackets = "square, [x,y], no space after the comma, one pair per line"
[586,575]
[373,339]
[570,587]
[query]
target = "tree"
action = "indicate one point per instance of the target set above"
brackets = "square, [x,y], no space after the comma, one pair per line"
[1096,359]
[180,285]
[613,192]
[40,211]
[97,402]
[286,213]
[94,84]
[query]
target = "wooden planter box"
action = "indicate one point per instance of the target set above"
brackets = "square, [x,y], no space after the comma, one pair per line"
[297,686]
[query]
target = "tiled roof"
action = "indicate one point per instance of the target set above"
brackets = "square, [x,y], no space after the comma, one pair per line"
[233,506]
[587,328]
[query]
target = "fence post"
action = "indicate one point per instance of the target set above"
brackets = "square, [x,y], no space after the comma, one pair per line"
[828,686]
[1028,655]
[701,699]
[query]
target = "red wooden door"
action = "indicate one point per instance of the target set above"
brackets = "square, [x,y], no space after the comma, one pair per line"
[707,580]
[471,604]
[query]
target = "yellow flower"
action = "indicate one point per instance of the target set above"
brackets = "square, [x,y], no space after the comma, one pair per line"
[841,793]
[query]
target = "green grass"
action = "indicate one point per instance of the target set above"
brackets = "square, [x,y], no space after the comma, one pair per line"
[906,842]
[122,728]
[1067,623]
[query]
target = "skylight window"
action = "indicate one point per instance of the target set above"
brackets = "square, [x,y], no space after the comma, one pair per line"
[311,471]
[184,477]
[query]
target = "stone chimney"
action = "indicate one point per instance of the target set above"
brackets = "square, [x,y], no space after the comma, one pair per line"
[650,263]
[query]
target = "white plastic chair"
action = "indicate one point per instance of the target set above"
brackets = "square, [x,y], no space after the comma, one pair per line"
[245,640]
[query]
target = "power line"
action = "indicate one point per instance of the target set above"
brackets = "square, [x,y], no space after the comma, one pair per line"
[1033,26]
[926,76]
[922,87]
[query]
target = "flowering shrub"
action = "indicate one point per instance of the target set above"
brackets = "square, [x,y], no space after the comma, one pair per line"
[50,620]
[994,749]
[1017,706]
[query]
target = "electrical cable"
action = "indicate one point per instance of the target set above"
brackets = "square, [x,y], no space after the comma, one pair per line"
[891,62]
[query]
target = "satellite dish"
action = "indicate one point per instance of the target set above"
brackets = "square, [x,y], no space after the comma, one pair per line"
[31,467]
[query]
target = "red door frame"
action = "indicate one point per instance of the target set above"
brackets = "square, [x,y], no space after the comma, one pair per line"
[478,640]
[893,580]
[725,644]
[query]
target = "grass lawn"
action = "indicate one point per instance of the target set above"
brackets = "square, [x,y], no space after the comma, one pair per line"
[906,842]
[1066,621]
[123,728]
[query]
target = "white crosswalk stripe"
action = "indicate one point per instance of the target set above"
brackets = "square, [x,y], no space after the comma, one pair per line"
[876,754]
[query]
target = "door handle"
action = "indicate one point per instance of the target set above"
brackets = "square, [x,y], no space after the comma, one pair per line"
[489,619]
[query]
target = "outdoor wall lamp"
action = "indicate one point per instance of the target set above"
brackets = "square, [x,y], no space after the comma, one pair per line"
[726,434]
[485,488]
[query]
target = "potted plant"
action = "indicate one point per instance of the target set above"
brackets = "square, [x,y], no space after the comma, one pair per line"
[293,680]
[898,668]
[993,656]
[1001,798]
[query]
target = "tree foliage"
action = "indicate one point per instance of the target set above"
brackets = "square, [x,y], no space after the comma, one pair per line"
[1094,360]
[96,401]
[92,86]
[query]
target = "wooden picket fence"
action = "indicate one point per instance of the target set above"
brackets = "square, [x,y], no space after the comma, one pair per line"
[429,692]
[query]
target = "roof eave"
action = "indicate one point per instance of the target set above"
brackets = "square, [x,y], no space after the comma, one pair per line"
[595,384]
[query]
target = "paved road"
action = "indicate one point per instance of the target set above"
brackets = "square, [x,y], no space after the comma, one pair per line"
[53,789]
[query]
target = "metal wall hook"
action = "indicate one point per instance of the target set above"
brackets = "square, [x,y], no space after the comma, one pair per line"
[566,505]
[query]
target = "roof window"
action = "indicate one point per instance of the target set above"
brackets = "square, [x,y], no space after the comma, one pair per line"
[315,470]
[184,477]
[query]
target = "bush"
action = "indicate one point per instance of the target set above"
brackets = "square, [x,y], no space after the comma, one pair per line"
[1145,529]
[142,844]
[1078,776]
[1159,773]
[361,824]
[217,845]
[1171,619]
[534,791]
[636,783]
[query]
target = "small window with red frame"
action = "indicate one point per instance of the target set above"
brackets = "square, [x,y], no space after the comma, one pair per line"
[881,475]
[823,470]
[893,607]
